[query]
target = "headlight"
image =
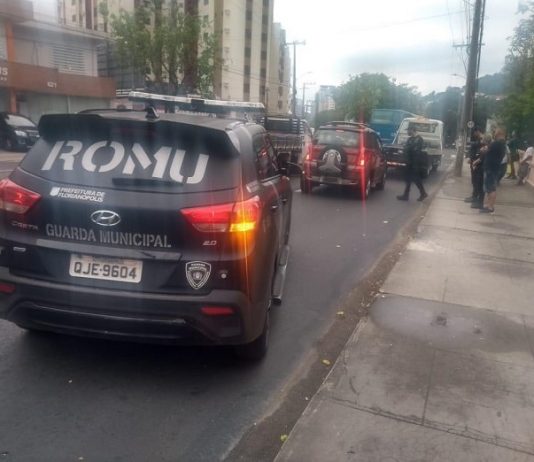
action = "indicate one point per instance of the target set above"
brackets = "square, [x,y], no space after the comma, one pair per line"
[21,133]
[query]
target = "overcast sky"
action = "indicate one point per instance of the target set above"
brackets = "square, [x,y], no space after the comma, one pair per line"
[409,40]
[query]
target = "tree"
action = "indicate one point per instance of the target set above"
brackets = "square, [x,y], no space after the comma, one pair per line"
[518,110]
[174,50]
[365,92]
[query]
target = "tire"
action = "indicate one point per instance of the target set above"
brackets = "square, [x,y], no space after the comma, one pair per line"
[256,350]
[434,167]
[380,186]
[305,185]
[364,193]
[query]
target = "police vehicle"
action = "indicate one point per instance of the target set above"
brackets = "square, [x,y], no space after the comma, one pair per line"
[169,227]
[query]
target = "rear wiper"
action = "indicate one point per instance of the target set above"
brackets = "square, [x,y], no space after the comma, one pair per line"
[143,182]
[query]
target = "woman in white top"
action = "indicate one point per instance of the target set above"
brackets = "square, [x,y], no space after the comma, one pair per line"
[525,163]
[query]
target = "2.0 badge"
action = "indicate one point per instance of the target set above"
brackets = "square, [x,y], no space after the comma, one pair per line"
[197,273]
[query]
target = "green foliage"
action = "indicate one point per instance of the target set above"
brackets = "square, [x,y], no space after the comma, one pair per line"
[172,49]
[323,117]
[518,110]
[365,92]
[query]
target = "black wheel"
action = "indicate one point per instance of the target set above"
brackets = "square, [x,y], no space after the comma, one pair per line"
[305,185]
[382,184]
[255,350]
[365,189]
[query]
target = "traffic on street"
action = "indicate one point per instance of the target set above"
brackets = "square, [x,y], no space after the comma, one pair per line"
[266,231]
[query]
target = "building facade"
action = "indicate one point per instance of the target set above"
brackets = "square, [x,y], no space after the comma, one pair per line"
[244,31]
[46,67]
[324,100]
[279,73]
[92,14]
[252,61]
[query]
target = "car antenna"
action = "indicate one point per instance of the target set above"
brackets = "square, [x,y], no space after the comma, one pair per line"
[151,113]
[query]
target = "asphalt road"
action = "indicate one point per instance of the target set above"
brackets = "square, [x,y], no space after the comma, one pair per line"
[69,399]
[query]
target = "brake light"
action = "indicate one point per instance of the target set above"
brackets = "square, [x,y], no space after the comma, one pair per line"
[7,288]
[15,198]
[236,217]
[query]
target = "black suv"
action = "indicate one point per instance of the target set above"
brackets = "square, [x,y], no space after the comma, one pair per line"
[17,132]
[131,226]
[345,154]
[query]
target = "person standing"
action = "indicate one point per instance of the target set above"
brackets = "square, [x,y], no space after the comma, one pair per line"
[514,145]
[416,161]
[492,166]
[477,173]
[525,164]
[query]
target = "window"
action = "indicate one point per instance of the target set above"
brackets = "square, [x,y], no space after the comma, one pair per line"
[206,2]
[247,71]
[249,16]
[247,52]
[266,165]
[246,88]
[280,105]
[73,18]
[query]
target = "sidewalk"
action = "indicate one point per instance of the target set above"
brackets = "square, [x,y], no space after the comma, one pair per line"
[443,368]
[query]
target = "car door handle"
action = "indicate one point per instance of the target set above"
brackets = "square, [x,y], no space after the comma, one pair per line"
[274,208]
[284,200]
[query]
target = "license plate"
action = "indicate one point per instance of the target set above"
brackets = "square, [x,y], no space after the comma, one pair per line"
[108,269]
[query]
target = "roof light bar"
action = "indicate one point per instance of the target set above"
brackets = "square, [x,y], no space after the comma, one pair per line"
[186,103]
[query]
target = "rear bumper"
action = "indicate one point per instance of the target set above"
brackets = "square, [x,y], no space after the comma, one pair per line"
[123,315]
[353,177]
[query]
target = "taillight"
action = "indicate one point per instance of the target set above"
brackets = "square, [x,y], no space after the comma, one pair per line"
[316,150]
[15,198]
[236,217]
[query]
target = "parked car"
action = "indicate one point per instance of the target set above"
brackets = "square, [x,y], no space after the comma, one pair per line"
[126,225]
[430,130]
[345,154]
[290,135]
[17,132]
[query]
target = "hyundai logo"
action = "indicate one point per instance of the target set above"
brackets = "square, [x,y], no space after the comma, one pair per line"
[105,218]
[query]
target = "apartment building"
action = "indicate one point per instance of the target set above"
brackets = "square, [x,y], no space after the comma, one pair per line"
[89,14]
[278,87]
[325,98]
[249,42]
[46,67]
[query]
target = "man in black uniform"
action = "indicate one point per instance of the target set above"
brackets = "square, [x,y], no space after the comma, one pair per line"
[416,161]
[477,170]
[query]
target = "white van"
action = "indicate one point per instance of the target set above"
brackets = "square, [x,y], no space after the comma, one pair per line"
[431,130]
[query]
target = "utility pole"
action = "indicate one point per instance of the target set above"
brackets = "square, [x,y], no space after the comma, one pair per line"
[470,86]
[294,99]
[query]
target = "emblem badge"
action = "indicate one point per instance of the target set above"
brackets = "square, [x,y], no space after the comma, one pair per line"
[105,218]
[197,273]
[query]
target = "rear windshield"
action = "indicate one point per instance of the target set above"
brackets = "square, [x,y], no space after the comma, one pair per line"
[383,116]
[18,121]
[283,125]
[338,137]
[136,156]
